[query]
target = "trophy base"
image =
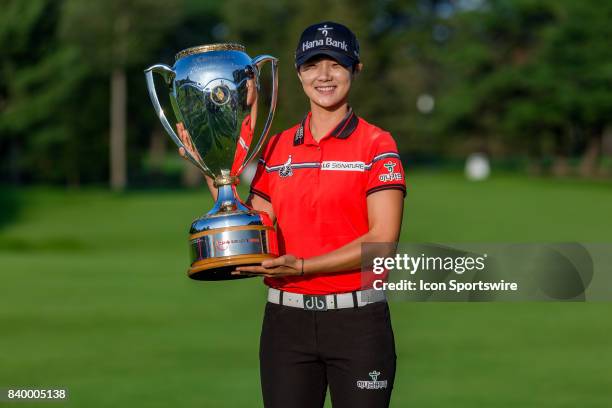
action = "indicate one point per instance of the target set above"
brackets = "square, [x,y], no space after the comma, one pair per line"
[221,268]
[223,241]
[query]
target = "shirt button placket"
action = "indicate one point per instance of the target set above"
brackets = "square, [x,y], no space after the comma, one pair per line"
[320,160]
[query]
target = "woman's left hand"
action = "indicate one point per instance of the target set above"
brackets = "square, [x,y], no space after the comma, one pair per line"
[286,265]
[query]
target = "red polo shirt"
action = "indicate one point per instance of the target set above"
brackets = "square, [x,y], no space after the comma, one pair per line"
[318,191]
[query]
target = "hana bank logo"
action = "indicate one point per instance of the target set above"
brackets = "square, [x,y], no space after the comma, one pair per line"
[390,176]
[374,384]
[324,29]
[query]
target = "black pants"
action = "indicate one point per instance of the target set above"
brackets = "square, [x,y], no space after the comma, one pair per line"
[351,350]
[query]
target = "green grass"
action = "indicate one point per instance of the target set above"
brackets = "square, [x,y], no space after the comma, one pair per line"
[93,297]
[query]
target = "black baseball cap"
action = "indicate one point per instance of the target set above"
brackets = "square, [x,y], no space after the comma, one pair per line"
[328,38]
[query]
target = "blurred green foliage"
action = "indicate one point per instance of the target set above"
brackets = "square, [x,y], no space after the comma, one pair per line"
[532,77]
[512,78]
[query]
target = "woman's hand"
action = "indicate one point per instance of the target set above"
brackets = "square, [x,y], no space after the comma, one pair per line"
[286,265]
[184,136]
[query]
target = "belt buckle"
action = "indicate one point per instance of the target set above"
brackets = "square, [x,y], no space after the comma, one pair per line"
[315,302]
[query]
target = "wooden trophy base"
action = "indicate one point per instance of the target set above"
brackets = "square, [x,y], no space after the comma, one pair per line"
[225,240]
[221,268]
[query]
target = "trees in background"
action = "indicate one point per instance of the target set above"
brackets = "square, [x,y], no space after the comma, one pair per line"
[113,36]
[38,75]
[510,77]
[531,77]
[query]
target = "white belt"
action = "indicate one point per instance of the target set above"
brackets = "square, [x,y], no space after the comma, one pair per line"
[325,302]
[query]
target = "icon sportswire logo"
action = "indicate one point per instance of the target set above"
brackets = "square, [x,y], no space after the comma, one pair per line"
[374,384]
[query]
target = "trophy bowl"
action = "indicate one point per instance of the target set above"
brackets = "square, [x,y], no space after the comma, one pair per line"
[213,90]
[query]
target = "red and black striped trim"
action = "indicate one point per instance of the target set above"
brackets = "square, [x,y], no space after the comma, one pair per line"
[346,127]
[261,194]
[298,138]
[387,187]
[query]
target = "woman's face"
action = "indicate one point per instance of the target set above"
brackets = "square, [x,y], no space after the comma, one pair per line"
[325,81]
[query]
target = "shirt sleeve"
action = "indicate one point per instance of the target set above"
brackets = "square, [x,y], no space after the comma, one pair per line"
[385,167]
[243,145]
[260,185]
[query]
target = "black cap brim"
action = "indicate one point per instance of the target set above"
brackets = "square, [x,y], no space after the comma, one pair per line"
[343,59]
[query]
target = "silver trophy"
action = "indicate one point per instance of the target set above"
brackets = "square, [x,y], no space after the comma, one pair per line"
[213,91]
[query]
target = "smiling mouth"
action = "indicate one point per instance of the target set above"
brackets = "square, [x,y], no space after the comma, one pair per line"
[326,89]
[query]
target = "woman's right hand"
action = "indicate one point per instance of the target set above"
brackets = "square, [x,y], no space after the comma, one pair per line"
[183,134]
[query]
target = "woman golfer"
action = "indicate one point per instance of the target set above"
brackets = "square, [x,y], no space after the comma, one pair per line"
[331,183]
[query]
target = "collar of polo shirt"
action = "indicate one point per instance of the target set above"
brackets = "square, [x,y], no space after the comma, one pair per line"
[343,130]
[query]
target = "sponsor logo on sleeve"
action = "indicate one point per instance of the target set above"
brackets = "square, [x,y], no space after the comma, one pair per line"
[391,175]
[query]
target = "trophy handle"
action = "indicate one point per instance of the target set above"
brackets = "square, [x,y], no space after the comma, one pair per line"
[168,74]
[258,62]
